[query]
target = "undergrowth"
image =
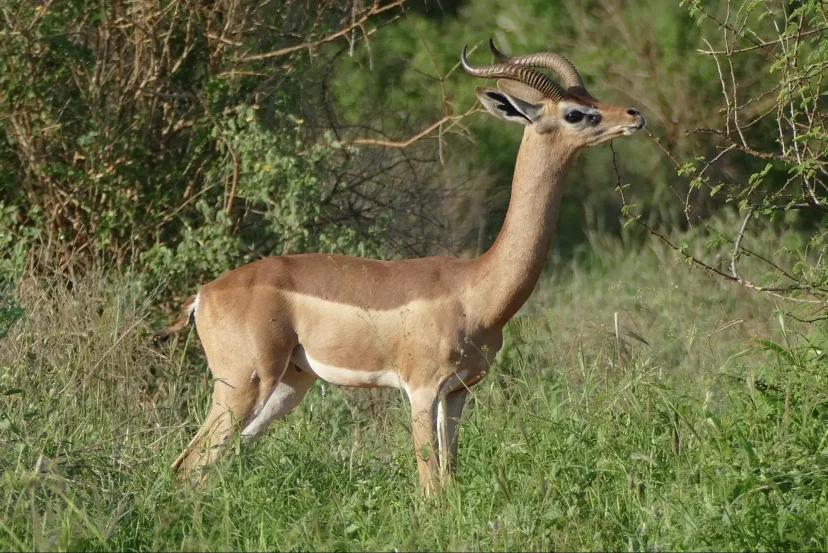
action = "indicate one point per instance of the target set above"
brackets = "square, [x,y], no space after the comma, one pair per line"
[640,408]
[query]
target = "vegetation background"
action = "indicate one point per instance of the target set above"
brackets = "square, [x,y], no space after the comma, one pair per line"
[665,388]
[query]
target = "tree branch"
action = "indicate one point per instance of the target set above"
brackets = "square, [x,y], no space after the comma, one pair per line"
[411,140]
[365,16]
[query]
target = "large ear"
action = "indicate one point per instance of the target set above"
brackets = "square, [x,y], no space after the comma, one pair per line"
[508,107]
[520,90]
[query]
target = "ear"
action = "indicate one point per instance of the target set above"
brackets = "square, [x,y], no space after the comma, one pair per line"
[508,107]
[520,90]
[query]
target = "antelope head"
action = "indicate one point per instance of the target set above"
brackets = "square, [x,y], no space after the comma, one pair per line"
[565,113]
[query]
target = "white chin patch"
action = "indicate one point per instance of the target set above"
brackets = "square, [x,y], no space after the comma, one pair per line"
[630,130]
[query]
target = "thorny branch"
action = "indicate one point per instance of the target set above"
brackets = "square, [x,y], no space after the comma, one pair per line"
[738,244]
[778,291]
[800,119]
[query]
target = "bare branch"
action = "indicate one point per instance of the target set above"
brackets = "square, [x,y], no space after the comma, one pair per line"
[761,45]
[374,10]
[777,291]
[453,119]
[738,244]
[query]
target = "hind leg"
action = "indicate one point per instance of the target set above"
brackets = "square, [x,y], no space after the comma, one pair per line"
[233,405]
[186,461]
[245,375]
[283,398]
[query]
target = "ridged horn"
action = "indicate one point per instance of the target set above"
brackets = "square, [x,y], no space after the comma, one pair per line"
[547,60]
[525,75]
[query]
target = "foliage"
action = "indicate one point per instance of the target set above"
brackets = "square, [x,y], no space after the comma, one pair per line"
[139,132]
[654,67]
[733,95]
[771,142]
[582,436]
[10,312]
[303,214]
[636,404]
[129,146]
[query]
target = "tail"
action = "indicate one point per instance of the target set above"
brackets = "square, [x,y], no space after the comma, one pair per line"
[187,315]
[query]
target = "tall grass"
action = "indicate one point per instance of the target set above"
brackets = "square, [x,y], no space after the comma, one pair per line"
[636,405]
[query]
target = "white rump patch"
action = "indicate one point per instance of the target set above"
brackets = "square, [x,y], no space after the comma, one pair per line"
[194,306]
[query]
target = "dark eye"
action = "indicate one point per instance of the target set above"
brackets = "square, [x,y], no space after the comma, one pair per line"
[574,116]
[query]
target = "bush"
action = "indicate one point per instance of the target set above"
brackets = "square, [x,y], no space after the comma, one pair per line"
[163,137]
[771,141]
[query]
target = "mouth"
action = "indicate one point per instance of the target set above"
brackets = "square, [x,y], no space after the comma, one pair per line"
[631,129]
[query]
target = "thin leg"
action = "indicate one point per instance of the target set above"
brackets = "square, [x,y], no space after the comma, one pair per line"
[441,429]
[184,462]
[454,403]
[286,395]
[423,413]
[231,406]
[238,391]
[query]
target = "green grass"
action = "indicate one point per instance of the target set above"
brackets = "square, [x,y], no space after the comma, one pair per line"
[713,435]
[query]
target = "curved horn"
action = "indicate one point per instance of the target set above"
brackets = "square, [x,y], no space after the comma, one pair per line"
[525,75]
[547,60]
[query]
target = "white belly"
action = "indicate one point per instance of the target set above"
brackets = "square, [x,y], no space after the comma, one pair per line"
[343,376]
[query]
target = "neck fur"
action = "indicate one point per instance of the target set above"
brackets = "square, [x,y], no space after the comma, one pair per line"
[506,274]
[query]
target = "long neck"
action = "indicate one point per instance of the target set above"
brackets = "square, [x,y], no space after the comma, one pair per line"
[507,273]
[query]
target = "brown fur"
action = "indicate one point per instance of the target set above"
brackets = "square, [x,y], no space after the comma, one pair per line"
[431,326]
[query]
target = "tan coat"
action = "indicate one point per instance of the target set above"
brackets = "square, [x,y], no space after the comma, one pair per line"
[429,326]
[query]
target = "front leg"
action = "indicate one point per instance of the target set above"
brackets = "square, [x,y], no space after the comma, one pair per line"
[423,423]
[452,406]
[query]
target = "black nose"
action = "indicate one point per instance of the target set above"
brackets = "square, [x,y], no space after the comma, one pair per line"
[633,112]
